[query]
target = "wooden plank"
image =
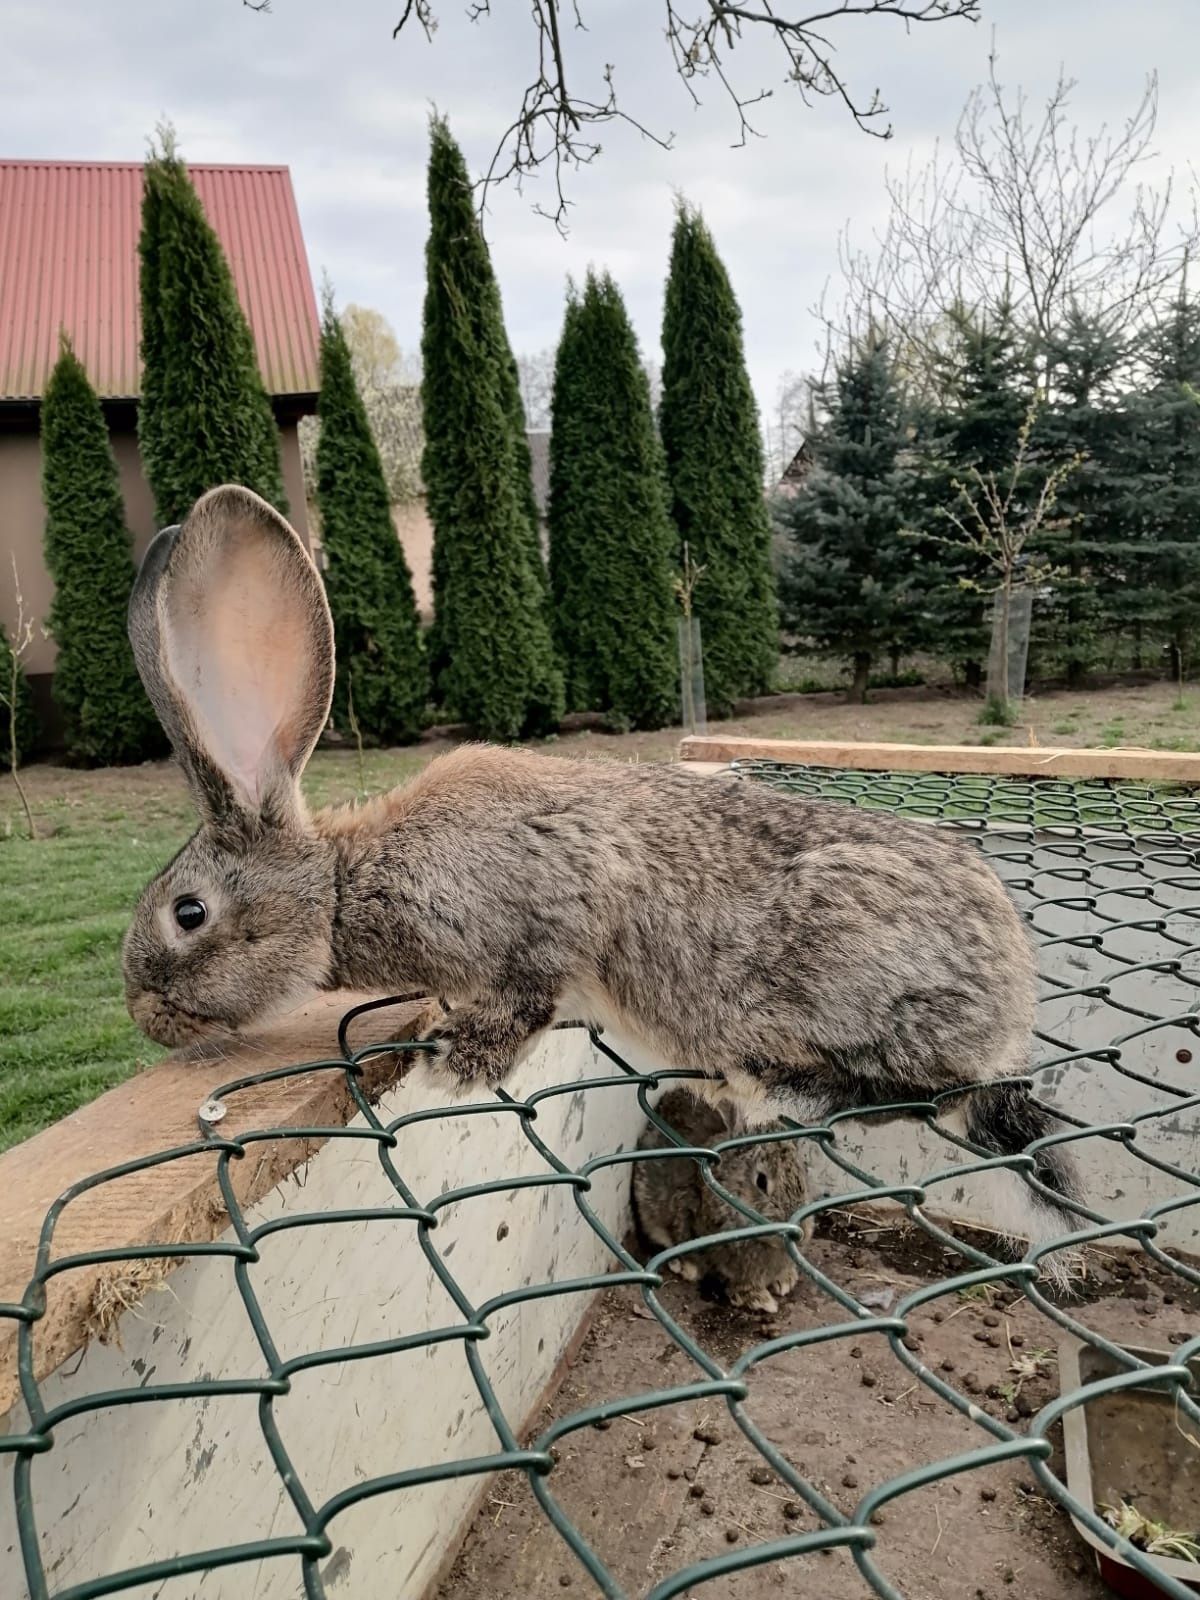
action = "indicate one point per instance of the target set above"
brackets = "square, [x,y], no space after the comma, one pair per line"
[1033,761]
[178,1200]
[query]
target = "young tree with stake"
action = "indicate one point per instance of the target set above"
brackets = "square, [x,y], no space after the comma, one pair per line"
[998,518]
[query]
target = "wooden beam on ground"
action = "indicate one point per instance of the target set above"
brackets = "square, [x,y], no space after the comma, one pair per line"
[1033,761]
[179,1200]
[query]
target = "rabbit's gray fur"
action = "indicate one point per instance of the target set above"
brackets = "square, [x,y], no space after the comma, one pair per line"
[673,1203]
[813,956]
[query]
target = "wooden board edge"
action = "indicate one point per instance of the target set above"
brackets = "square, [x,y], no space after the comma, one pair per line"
[178,1200]
[1033,761]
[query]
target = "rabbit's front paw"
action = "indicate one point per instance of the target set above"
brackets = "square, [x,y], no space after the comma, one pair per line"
[765,1296]
[480,1043]
[465,1056]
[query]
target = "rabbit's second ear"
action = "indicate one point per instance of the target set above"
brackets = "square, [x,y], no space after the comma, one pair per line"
[234,643]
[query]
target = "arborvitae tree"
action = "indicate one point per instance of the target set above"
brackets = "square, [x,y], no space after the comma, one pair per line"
[154,436]
[1085,419]
[382,678]
[849,579]
[986,387]
[14,684]
[205,417]
[1161,557]
[106,716]
[710,434]
[493,658]
[611,540]
[515,406]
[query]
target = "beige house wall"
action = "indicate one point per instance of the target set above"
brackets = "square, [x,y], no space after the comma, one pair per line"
[293,479]
[415,532]
[22,522]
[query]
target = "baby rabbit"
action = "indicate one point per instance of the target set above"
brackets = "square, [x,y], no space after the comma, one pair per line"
[812,956]
[673,1203]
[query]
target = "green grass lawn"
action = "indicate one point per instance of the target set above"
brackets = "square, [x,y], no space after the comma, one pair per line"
[65,901]
[65,898]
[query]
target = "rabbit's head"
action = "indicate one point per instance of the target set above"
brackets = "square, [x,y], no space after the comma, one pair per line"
[234,643]
[772,1179]
[770,1176]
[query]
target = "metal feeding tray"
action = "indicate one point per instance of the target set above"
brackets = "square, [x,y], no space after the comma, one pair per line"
[1129,1445]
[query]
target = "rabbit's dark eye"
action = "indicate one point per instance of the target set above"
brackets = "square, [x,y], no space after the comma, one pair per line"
[190,913]
[763,1182]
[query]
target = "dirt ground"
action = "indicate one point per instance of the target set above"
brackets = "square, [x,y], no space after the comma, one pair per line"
[1151,715]
[656,1491]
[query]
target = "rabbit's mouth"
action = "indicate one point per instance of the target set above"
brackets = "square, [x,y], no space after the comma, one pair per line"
[166,1023]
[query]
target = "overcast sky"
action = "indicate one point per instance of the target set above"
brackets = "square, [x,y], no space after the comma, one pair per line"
[324,88]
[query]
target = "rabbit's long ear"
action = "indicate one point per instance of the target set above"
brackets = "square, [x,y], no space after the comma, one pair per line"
[234,643]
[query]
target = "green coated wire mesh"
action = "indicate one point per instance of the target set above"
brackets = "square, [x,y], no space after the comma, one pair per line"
[1109,878]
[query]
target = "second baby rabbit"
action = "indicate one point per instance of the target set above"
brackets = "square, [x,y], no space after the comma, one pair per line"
[673,1203]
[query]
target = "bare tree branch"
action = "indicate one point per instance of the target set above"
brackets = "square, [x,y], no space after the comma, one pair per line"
[786,423]
[423,11]
[549,128]
[552,125]
[389,383]
[997,520]
[535,374]
[1027,208]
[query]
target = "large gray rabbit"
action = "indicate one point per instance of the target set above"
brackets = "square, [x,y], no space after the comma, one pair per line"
[813,956]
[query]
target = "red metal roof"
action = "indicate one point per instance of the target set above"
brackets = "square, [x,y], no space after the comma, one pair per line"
[68,259]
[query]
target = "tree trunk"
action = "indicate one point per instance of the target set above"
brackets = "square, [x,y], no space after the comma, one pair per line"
[1002,643]
[894,656]
[1176,656]
[1137,647]
[1077,653]
[857,692]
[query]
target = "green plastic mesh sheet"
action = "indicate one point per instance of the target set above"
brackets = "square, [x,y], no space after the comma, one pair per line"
[1109,879]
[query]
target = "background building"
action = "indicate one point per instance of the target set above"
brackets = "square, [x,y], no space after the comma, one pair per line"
[69,260]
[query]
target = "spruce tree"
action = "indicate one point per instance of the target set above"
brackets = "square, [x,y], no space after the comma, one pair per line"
[611,540]
[1160,558]
[205,417]
[14,685]
[382,679]
[106,716]
[849,581]
[493,657]
[986,386]
[710,434]
[1085,418]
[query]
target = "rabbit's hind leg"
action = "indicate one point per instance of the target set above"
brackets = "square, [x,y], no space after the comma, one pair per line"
[811,1090]
[758,1091]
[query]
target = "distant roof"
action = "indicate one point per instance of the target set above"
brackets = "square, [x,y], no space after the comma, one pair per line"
[800,465]
[539,455]
[68,259]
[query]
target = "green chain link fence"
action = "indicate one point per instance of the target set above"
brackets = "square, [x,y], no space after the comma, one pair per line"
[1108,876]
